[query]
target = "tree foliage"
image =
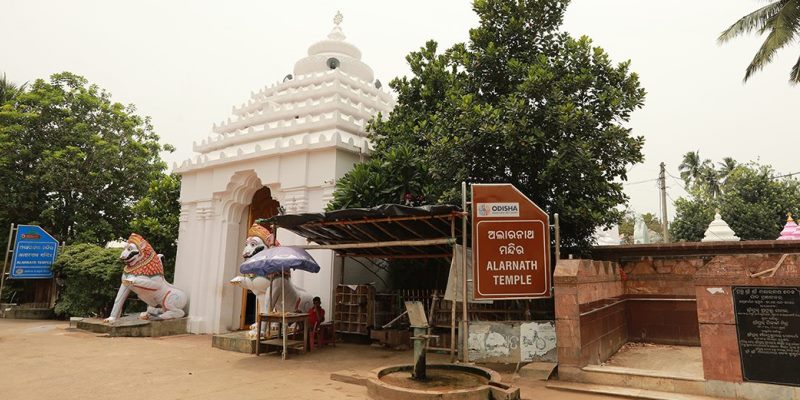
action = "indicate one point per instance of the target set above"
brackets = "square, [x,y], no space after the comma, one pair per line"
[90,277]
[156,218]
[753,202]
[73,161]
[522,103]
[395,177]
[692,217]
[780,20]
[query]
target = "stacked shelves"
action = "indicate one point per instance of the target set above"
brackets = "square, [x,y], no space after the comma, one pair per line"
[354,309]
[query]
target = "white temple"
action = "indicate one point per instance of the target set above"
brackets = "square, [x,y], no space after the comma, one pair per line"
[284,147]
[719,231]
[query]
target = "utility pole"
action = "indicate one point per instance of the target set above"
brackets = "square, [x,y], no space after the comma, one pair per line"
[662,184]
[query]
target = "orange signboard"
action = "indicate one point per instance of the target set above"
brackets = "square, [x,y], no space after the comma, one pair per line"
[511,244]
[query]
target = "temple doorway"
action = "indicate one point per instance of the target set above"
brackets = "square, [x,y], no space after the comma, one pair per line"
[262,206]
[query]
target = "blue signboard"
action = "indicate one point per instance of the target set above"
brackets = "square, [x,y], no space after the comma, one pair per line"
[34,252]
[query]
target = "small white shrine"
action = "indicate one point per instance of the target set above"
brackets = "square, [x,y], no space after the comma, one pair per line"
[719,231]
[284,148]
[790,231]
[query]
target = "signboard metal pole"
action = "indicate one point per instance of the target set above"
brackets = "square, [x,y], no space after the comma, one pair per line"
[558,237]
[5,259]
[464,317]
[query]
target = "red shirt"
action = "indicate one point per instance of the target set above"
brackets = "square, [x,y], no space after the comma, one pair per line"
[313,318]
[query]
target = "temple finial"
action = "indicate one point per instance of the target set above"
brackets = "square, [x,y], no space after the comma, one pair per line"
[336,32]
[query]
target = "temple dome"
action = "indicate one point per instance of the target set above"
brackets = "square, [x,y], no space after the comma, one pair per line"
[719,231]
[334,53]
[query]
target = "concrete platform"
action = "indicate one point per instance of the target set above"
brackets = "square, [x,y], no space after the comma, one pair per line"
[235,341]
[132,326]
[679,361]
[648,367]
[649,371]
[15,312]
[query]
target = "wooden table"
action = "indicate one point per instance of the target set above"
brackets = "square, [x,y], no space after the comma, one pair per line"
[278,342]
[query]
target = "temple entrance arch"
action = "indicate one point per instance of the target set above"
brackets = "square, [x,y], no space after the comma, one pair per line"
[262,206]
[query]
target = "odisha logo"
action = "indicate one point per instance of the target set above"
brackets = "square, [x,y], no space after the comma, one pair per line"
[483,209]
[32,236]
[504,208]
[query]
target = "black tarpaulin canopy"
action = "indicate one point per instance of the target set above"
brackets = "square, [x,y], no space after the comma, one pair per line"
[386,231]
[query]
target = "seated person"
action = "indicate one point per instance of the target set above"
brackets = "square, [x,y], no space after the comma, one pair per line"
[316,316]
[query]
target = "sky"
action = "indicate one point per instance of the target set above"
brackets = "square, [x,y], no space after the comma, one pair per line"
[186,63]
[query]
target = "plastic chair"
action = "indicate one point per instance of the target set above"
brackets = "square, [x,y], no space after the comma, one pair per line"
[324,336]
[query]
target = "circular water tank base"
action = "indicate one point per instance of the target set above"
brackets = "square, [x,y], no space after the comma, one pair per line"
[444,381]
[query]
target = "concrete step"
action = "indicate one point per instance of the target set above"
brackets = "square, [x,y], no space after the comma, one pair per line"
[539,371]
[641,379]
[351,376]
[634,393]
[642,372]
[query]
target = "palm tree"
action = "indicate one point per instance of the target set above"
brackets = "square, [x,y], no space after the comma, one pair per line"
[726,166]
[691,167]
[782,20]
[709,180]
[9,90]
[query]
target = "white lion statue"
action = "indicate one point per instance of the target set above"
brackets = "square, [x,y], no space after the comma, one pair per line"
[144,275]
[258,239]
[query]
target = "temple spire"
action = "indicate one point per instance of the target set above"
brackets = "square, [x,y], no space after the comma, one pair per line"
[336,32]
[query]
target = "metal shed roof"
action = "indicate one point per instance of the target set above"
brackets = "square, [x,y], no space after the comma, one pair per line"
[386,231]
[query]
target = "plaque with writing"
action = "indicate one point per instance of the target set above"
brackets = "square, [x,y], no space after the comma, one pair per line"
[768,329]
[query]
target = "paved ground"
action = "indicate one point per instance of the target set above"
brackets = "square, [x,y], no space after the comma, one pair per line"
[47,360]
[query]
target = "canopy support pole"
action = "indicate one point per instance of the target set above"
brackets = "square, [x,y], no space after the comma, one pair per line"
[464,316]
[453,304]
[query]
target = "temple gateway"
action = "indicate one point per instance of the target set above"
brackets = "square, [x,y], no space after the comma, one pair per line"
[284,148]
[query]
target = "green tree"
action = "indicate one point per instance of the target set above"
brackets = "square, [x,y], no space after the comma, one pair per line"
[74,161]
[394,177]
[781,20]
[757,203]
[522,103]
[156,218]
[692,217]
[752,202]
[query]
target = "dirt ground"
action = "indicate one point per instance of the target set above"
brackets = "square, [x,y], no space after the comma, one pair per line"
[48,360]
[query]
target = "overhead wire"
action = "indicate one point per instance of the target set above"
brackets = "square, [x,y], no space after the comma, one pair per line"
[678,182]
[786,175]
[638,182]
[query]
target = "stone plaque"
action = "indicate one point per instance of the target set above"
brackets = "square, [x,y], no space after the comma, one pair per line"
[768,329]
